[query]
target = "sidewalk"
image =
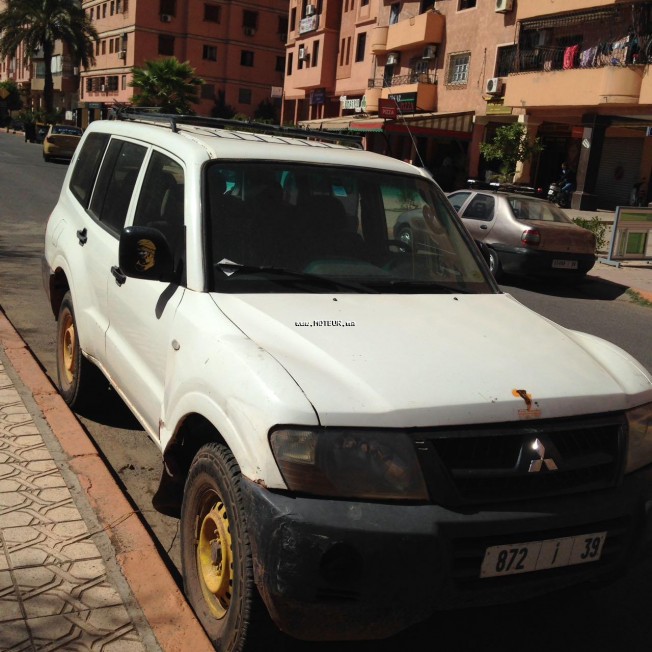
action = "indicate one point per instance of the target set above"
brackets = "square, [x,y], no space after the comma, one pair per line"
[78,570]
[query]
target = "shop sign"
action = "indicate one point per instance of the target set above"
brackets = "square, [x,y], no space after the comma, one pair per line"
[387,109]
[353,104]
[95,105]
[498,108]
[406,102]
[318,96]
[308,24]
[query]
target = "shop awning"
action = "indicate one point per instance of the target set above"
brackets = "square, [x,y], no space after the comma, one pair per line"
[367,126]
[327,124]
[460,122]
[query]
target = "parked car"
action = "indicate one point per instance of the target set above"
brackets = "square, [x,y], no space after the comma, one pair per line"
[525,235]
[61,141]
[349,439]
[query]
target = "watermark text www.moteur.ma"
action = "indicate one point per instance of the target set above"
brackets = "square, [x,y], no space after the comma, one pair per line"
[325,323]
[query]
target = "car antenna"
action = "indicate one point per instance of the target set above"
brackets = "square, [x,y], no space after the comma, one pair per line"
[407,126]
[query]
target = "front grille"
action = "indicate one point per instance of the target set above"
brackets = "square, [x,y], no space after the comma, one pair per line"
[499,463]
[469,553]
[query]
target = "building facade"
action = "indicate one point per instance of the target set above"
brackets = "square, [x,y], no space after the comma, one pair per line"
[583,84]
[442,76]
[411,76]
[236,46]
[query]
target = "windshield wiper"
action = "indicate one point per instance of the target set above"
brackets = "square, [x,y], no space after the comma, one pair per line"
[230,268]
[427,287]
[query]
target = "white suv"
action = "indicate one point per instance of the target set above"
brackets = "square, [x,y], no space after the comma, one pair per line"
[361,431]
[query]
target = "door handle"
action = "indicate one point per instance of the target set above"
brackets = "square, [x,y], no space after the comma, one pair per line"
[82,236]
[484,227]
[118,275]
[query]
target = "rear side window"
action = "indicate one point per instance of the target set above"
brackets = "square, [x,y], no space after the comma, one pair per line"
[88,163]
[481,208]
[116,182]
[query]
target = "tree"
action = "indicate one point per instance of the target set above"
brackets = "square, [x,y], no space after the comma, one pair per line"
[9,99]
[39,24]
[167,84]
[510,146]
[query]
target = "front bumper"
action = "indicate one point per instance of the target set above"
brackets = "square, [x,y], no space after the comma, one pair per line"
[337,570]
[524,260]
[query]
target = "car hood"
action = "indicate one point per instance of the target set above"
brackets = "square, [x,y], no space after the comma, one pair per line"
[434,360]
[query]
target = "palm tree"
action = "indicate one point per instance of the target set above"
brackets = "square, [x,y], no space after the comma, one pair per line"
[40,24]
[167,84]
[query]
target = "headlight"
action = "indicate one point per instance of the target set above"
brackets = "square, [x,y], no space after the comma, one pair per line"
[639,450]
[371,464]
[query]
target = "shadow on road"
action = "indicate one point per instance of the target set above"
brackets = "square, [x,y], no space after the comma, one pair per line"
[590,287]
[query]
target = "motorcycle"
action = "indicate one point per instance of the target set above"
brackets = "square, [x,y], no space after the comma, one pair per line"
[557,196]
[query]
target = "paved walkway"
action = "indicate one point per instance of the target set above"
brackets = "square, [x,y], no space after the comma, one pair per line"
[78,570]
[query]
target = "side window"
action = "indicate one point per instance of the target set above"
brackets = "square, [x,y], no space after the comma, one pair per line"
[458,199]
[88,163]
[115,183]
[160,204]
[481,208]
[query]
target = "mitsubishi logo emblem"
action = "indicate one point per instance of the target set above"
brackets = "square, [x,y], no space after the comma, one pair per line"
[539,459]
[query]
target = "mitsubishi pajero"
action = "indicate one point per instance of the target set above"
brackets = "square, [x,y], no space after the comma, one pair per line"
[357,430]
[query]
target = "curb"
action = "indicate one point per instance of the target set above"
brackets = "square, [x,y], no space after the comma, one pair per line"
[169,616]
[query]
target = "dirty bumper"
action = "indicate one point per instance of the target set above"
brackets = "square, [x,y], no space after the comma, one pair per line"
[343,570]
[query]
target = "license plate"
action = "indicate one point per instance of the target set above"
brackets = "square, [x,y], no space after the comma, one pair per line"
[542,555]
[564,264]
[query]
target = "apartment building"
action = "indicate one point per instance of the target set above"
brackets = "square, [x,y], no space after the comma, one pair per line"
[582,82]
[429,81]
[236,47]
[411,76]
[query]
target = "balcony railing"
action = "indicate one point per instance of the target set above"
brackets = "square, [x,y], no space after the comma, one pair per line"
[402,80]
[548,58]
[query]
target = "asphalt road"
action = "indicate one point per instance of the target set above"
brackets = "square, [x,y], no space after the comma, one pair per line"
[613,618]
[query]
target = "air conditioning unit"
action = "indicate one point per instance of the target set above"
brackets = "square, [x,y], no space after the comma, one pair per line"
[429,52]
[310,10]
[503,6]
[249,31]
[122,54]
[303,53]
[166,18]
[494,86]
[392,59]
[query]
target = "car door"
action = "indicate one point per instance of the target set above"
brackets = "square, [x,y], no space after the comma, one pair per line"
[97,237]
[141,312]
[479,215]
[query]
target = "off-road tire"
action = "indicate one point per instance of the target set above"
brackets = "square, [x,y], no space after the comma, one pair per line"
[77,377]
[229,609]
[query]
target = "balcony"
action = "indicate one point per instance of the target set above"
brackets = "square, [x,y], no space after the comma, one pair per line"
[422,84]
[538,8]
[420,30]
[576,87]
[379,40]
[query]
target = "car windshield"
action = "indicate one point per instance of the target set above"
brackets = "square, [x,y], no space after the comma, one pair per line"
[536,209]
[298,228]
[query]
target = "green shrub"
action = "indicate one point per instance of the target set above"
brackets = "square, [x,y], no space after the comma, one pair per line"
[597,227]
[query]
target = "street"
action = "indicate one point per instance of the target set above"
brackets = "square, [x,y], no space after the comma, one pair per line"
[605,619]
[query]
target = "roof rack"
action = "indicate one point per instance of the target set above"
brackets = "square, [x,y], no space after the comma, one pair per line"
[172,120]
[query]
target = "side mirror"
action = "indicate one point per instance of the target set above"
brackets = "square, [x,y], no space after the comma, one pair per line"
[144,252]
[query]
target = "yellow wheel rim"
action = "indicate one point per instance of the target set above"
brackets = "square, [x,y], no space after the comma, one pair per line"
[215,560]
[68,345]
